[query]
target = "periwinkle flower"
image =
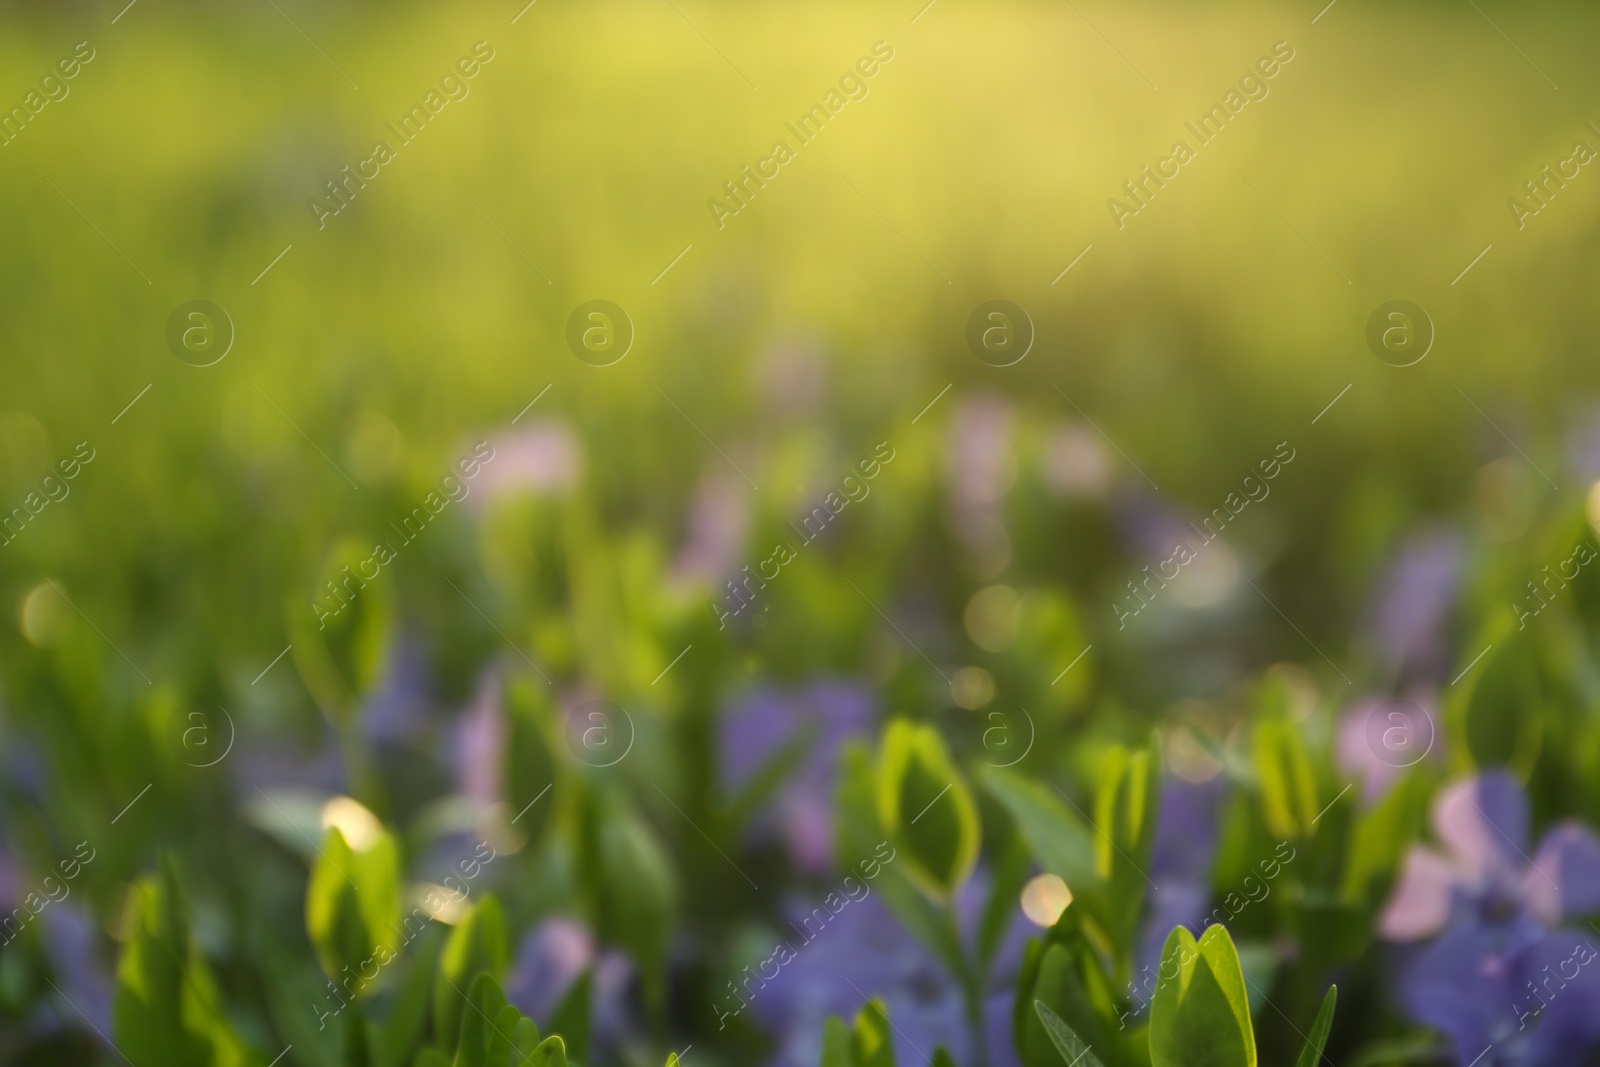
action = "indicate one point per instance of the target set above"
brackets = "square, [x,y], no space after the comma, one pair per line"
[1377,738]
[819,719]
[1501,982]
[981,467]
[719,527]
[1180,865]
[1418,593]
[543,458]
[70,939]
[862,951]
[480,744]
[551,958]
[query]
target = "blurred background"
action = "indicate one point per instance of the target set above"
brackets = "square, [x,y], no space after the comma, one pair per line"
[188,574]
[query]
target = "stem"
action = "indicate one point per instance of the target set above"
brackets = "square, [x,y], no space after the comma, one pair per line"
[972,980]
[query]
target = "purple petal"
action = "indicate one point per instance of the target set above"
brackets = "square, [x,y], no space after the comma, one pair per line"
[69,942]
[1420,903]
[1462,986]
[980,461]
[719,525]
[397,710]
[1560,991]
[760,724]
[839,961]
[1419,591]
[1564,878]
[481,745]
[544,457]
[1484,823]
[1186,830]
[550,959]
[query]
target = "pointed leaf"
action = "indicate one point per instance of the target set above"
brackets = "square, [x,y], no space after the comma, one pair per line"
[1058,837]
[1200,1014]
[836,1050]
[925,807]
[870,1044]
[1318,1039]
[476,946]
[352,905]
[1066,1042]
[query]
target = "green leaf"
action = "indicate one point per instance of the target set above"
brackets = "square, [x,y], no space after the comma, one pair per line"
[860,843]
[1010,875]
[1065,973]
[166,1008]
[353,905]
[870,1043]
[495,1034]
[1066,1042]
[1379,842]
[1495,713]
[474,1040]
[1200,1015]
[926,809]
[942,1058]
[1318,1040]
[476,946]
[628,876]
[551,1052]
[1059,838]
[292,979]
[1287,781]
[529,767]
[341,630]
[836,1050]
[399,1031]
[1126,803]
[570,1018]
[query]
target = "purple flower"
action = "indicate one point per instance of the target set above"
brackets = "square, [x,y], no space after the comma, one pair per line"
[764,723]
[1418,594]
[1380,736]
[841,959]
[70,940]
[719,526]
[543,458]
[1500,981]
[480,744]
[397,708]
[981,467]
[1180,863]
[550,960]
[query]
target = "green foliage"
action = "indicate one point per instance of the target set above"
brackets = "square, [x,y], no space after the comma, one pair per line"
[869,1043]
[859,835]
[1126,803]
[1317,1040]
[1059,837]
[1065,1041]
[629,880]
[167,1009]
[1497,708]
[1063,973]
[926,809]
[530,765]
[353,906]
[1200,1014]
[495,1034]
[1287,781]
[476,946]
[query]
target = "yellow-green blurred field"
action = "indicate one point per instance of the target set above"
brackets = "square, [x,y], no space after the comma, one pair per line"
[373,347]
